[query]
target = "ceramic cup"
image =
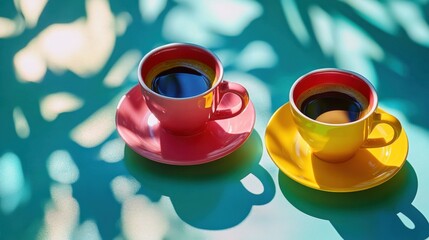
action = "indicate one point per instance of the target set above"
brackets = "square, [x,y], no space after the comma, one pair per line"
[188,115]
[333,141]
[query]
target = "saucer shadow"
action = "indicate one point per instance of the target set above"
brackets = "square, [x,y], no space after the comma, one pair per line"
[208,196]
[376,213]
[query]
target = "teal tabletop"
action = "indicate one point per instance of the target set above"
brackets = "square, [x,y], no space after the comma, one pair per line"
[66,173]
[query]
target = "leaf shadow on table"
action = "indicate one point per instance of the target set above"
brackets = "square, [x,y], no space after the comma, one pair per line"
[208,196]
[382,212]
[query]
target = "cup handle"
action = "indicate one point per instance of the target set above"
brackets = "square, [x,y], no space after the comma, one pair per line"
[235,88]
[386,118]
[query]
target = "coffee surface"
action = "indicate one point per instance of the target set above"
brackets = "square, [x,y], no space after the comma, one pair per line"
[180,82]
[332,107]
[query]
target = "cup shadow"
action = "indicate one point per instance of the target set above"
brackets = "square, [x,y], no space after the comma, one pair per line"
[208,196]
[375,213]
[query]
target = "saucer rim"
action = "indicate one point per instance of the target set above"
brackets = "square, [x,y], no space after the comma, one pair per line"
[158,158]
[313,184]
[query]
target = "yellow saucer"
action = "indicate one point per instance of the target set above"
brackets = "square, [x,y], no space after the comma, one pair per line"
[368,168]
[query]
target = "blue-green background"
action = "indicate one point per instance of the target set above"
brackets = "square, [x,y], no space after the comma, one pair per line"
[65,177]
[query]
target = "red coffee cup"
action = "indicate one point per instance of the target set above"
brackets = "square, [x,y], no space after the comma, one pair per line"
[187,115]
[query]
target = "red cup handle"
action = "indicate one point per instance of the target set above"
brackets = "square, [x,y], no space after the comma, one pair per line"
[235,88]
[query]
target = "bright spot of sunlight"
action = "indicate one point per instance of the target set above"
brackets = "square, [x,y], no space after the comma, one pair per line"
[142,219]
[120,70]
[10,27]
[150,9]
[351,47]
[97,127]
[295,21]
[87,230]
[61,214]
[194,32]
[123,19]
[406,220]
[112,151]
[31,10]
[252,184]
[12,183]
[376,13]
[412,19]
[225,16]
[82,46]
[205,20]
[257,54]
[62,168]
[63,43]
[323,29]
[21,125]
[124,187]
[29,65]
[152,120]
[54,104]
[7,27]
[226,56]
[356,51]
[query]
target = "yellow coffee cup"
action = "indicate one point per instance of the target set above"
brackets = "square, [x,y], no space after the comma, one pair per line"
[335,111]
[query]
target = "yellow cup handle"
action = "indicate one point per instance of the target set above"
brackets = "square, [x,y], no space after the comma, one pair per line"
[386,118]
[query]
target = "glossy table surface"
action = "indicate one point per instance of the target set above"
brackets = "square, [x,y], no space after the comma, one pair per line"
[65,173]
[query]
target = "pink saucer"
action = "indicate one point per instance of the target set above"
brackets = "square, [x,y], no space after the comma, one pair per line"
[141,131]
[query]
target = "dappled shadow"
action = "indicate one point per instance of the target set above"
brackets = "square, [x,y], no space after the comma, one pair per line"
[209,196]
